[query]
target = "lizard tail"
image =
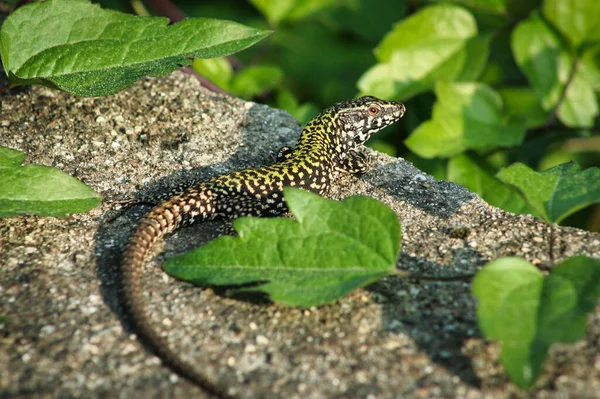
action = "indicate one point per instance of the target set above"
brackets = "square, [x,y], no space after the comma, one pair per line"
[162,220]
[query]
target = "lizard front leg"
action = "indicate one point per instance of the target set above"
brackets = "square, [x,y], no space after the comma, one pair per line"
[357,161]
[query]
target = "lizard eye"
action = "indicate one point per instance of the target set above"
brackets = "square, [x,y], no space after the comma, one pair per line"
[374,110]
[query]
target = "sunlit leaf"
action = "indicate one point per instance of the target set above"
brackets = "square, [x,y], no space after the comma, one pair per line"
[332,248]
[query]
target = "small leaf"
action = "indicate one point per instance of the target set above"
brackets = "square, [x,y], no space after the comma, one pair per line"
[455,25]
[522,102]
[578,20]
[83,49]
[274,10]
[255,80]
[465,116]
[491,6]
[437,42]
[279,10]
[217,70]
[471,172]
[555,193]
[332,248]
[40,189]
[547,64]
[506,8]
[527,313]
[476,56]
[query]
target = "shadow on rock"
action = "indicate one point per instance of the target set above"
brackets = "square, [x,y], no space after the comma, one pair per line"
[438,315]
[112,235]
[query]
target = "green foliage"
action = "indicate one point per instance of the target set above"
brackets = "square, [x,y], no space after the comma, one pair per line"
[527,312]
[247,83]
[578,21]
[218,70]
[476,174]
[81,48]
[277,11]
[519,79]
[555,193]
[548,64]
[286,100]
[466,116]
[256,79]
[40,189]
[522,102]
[437,42]
[332,248]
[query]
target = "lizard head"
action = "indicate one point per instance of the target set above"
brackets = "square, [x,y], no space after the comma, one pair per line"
[358,119]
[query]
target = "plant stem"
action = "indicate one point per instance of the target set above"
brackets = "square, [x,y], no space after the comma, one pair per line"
[552,116]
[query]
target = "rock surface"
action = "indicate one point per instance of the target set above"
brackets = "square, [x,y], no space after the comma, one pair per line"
[66,336]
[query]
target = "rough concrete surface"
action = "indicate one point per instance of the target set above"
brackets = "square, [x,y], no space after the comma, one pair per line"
[66,336]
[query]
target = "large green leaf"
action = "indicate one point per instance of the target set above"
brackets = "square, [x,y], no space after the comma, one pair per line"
[332,248]
[541,55]
[465,116]
[40,189]
[437,42]
[557,192]
[527,313]
[81,48]
[578,20]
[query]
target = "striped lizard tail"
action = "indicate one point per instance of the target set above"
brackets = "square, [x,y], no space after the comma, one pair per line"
[162,220]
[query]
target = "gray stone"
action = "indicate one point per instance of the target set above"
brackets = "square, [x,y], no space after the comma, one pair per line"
[398,338]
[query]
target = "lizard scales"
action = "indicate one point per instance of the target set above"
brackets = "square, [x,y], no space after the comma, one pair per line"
[330,144]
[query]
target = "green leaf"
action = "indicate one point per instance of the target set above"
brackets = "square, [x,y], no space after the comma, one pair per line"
[547,310]
[475,57]
[306,8]
[522,102]
[279,10]
[555,193]
[80,48]
[217,70]
[548,66]
[40,189]
[505,8]
[472,172]
[286,100]
[577,20]
[465,116]
[332,248]
[492,6]
[255,79]
[274,10]
[455,26]
[437,42]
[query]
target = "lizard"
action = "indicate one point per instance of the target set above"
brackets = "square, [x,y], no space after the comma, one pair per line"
[332,143]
